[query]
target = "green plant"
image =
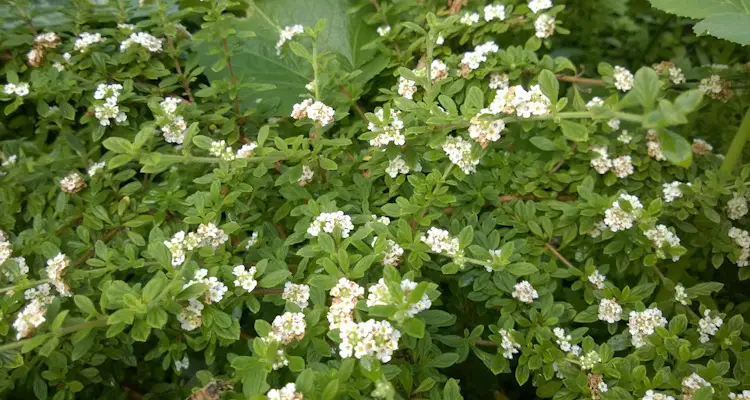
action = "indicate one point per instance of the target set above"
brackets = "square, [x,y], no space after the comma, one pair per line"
[357,199]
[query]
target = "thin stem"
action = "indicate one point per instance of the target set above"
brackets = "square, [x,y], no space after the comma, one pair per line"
[738,144]
[190,159]
[355,106]
[60,332]
[428,64]
[183,79]
[557,254]
[233,79]
[485,343]
[268,291]
[575,79]
[23,286]
[315,68]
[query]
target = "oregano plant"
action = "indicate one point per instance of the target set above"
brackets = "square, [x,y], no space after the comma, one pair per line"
[356,199]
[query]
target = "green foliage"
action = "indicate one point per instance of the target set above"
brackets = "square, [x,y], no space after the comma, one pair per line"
[354,199]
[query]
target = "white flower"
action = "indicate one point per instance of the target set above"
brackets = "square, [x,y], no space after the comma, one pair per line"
[55,269]
[601,163]
[19,89]
[306,177]
[711,85]
[494,11]
[383,30]
[173,128]
[389,131]
[742,239]
[329,221]
[538,5]
[252,240]
[499,81]
[654,150]
[672,191]
[459,152]
[617,218]
[59,67]
[220,149]
[315,110]
[6,249]
[381,296]
[406,87]
[288,392]
[676,75]
[609,311]
[510,346]
[148,41]
[651,395]
[245,278]
[180,365]
[643,324]
[622,166]
[378,339]
[737,206]
[287,34]
[441,242]
[694,382]
[23,268]
[246,150]
[176,246]
[602,387]
[10,160]
[597,279]
[623,79]
[524,292]
[345,295]
[397,166]
[33,313]
[562,339]
[700,146]
[126,27]
[545,26]
[48,40]
[595,102]
[440,40]
[614,124]
[85,40]
[190,316]
[438,70]
[287,328]
[94,168]
[469,18]
[625,137]
[211,235]
[485,131]
[661,237]
[589,360]
[67,56]
[297,294]
[680,295]
[598,229]
[745,395]
[393,254]
[531,102]
[216,289]
[708,326]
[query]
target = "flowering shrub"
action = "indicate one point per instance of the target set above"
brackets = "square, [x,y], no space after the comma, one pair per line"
[368,199]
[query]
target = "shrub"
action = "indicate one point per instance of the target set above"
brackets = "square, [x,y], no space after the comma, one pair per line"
[388,199]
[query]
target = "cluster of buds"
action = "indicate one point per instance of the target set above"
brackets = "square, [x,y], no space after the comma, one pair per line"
[287,34]
[371,338]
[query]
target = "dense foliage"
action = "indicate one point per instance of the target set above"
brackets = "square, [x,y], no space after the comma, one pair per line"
[354,199]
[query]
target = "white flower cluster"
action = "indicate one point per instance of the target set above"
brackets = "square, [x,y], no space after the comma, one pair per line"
[711,85]
[371,338]
[597,279]
[94,168]
[708,326]
[219,149]
[85,40]
[458,151]
[179,365]
[190,316]
[345,295]
[438,70]
[643,324]
[109,109]
[609,310]
[676,75]
[625,137]
[621,166]
[306,177]
[280,360]
[562,339]
[745,395]
[126,27]
[315,110]
[694,382]
[469,18]
[388,131]
[246,150]
[383,30]
[6,249]
[510,346]
[287,34]
[327,222]
[406,88]
[47,40]
[379,295]
[499,81]
[485,131]
[518,100]
[216,289]
[172,125]
[396,166]
[206,235]
[287,328]
[34,312]
[589,360]
[660,236]
[288,392]
[538,5]
[672,191]
[524,292]
[9,160]
[245,278]
[494,11]
[55,269]
[623,79]
[441,241]
[545,26]
[737,206]
[617,218]
[595,102]
[23,268]
[701,147]
[148,41]
[495,253]
[472,59]
[614,124]
[72,183]
[742,238]
[680,295]
[651,395]
[20,89]
[393,253]
[298,294]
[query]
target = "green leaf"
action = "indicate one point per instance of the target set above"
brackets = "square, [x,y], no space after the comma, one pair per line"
[574,131]
[154,287]
[85,304]
[725,19]
[156,318]
[474,100]
[274,278]
[414,327]
[645,88]
[444,360]
[522,268]
[327,164]
[451,391]
[124,316]
[542,143]
[704,393]
[676,148]
[732,27]
[118,145]
[331,390]
[140,331]
[549,85]
[704,289]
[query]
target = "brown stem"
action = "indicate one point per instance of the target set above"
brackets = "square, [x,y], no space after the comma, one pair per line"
[185,84]
[561,162]
[455,6]
[485,343]
[268,291]
[355,106]
[557,254]
[575,79]
[281,231]
[232,77]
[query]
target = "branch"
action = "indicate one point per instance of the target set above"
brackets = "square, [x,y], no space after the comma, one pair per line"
[268,291]
[557,254]
[485,343]
[64,331]
[575,79]
[355,106]
[561,162]
[185,84]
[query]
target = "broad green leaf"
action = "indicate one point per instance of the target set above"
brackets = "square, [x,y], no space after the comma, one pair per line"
[574,131]
[676,148]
